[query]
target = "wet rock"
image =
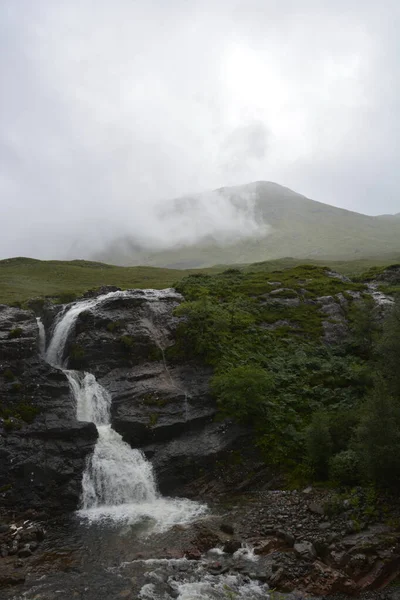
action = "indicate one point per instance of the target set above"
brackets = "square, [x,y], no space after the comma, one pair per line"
[193,554]
[43,457]
[305,550]
[25,552]
[205,538]
[323,581]
[232,546]
[158,404]
[227,528]
[268,545]
[316,508]
[191,454]
[10,576]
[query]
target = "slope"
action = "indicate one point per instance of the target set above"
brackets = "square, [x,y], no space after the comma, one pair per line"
[289,224]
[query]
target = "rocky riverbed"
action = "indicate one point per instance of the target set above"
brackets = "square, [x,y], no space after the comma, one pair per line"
[246,546]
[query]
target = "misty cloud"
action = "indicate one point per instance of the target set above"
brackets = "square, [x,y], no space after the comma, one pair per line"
[108,110]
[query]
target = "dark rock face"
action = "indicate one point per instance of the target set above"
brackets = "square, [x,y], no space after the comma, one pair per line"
[159,402]
[186,458]
[42,447]
[163,408]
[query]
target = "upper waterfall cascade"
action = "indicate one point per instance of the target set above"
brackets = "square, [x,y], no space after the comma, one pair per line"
[118,481]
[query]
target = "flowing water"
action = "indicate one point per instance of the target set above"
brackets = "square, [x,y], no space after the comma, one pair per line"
[102,552]
[118,482]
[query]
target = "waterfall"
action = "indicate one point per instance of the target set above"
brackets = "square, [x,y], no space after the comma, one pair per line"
[118,482]
[42,336]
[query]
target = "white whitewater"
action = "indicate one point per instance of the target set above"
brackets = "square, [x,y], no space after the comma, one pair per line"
[42,336]
[118,482]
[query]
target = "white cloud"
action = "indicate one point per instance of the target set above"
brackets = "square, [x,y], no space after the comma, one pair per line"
[109,109]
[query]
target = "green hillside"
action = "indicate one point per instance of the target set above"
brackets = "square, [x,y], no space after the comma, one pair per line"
[25,278]
[294,226]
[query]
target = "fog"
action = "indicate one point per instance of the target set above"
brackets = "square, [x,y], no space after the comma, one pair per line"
[109,110]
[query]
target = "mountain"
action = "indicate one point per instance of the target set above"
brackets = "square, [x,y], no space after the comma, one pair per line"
[264,221]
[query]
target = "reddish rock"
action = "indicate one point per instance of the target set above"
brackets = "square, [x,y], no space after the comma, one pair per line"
[193,554]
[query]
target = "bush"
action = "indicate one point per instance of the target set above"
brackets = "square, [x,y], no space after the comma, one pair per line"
[27,412]
[127,342]
[15,333]
[77,352]
[113,326]
[319,445]
[388,350]
[244,393]
[379,438]
[11,424]
[345,468]
[364,327]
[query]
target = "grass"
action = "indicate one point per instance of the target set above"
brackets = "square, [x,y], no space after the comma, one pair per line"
[22,279]
[25,278]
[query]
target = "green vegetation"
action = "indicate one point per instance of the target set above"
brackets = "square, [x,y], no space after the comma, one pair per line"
[153,420]
[127,342]
[26,281]
[77,352]
[15,333]
[316,409]
[22,279]
[13,415]
[113,326]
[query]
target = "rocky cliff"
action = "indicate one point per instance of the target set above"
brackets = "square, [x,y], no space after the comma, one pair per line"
[42,445]
[165,410]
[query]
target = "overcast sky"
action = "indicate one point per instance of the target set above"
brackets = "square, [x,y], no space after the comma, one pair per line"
[107,108]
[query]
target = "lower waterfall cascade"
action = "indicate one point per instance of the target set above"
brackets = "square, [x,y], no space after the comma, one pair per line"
[118,482]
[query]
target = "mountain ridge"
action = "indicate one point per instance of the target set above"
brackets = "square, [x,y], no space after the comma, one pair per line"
[283,222]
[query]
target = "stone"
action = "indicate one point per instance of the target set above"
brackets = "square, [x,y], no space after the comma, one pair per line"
[227,528]
[25,552]
[193,554]
[305,550]
[316,508]
[232,546]
[10,576]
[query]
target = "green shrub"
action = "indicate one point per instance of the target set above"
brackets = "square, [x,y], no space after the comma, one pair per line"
[345,468]
[27,412]
[15,333]
[379,438]
[245,393]
[11,424]
[77,352]
[127,342]
[153,419]
[388,351]
[319,445]
[113,326]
